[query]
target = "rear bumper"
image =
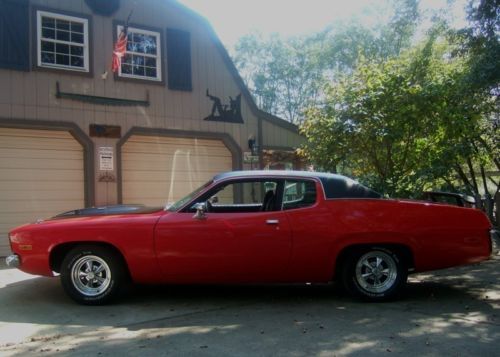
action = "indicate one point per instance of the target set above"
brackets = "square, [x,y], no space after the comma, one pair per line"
[13,261]
[495,242]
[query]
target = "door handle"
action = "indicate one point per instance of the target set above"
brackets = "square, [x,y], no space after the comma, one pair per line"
[272,221]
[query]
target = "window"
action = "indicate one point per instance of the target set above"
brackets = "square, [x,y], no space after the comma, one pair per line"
[143,57]
[244,193]
[62,41]
[241,196]
[299,194]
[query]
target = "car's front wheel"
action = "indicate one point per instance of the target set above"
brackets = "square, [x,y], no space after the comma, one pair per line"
[375,274]
[92,275]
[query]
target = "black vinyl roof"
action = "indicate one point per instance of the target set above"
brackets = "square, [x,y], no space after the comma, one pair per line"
[335,186]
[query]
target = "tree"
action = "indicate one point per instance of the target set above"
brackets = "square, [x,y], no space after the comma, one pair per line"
[400,124]
[286,76]
[480,45]
[283,75]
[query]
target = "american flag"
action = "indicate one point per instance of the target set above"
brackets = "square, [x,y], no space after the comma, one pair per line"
[119,50]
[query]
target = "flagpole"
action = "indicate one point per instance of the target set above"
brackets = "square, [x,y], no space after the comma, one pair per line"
[120,47]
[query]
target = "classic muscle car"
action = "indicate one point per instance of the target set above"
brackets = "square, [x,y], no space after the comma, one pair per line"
[254,227]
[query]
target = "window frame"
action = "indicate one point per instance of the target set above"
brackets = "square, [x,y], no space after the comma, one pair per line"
[159,53]
[188,208]
[299,180]
[85,21]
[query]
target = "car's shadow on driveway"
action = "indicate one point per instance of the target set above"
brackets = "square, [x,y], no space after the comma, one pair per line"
[458,307]
[43,301]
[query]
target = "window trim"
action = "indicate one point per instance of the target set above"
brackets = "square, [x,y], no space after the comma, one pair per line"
[159,53]
[299,180]
[207,193]
[86,40]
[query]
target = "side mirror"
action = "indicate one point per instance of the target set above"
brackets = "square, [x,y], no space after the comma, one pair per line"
[201,208]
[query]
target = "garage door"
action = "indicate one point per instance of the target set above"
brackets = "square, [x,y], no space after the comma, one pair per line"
[41,174]
[157,170]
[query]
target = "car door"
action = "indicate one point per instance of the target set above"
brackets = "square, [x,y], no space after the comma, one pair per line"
[235,241]
[312,231]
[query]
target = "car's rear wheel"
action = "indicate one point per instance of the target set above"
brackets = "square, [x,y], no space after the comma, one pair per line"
[375,274]
[92,275]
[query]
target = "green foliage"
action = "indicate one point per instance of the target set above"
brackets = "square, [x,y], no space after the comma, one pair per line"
[401,117]
[398,125]
[286,76]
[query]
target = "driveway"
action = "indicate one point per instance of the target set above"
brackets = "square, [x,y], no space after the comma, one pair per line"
[455,312]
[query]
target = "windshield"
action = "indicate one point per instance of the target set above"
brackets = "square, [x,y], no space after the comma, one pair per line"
[174,207]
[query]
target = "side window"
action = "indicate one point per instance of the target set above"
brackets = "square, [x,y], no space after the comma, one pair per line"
[62,41]
[246,196]
[299,194]
[142,59]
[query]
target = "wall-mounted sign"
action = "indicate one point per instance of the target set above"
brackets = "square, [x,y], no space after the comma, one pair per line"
[105,131]
[223,112]
[248,158]
[106,158]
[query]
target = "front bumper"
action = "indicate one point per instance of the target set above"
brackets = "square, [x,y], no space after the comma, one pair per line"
[495,242]
[13,261]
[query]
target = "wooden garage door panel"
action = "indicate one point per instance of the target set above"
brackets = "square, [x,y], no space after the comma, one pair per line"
[40,164]
[13,196]
[33,206]
[172,149]
[185,163]
[134,157]
[41,185]
[25,143]
[41,175]
[176,141]
[157,170]
[38,154]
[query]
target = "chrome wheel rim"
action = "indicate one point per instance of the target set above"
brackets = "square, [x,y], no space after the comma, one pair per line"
[376,272]
[90,275]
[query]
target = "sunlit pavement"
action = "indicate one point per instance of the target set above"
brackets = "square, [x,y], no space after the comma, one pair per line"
[454,313]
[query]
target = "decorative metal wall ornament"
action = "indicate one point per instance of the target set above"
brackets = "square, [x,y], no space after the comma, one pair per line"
[103,7]
[225,113]
[107,177]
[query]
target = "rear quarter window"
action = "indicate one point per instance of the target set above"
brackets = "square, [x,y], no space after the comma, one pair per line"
[299,194]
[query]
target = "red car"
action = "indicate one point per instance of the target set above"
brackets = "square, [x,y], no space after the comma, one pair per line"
[254,227]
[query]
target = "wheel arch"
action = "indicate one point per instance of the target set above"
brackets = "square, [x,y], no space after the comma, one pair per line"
[58,252]
[405,251]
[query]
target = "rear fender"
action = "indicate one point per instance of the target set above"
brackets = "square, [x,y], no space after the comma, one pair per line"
[379,239]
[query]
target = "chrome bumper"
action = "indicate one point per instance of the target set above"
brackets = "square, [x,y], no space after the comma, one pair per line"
[495,242]
[13,261]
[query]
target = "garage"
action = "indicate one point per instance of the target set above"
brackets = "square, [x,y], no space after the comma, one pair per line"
[41,174]
[162,169]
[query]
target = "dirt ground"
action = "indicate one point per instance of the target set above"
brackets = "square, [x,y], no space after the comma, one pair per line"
[455,312]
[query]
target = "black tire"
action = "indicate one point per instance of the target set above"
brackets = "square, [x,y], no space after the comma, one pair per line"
[92,275]
[374,274]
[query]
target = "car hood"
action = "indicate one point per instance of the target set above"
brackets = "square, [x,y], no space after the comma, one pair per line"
[108,211]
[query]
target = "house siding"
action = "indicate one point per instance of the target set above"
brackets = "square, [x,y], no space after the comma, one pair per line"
[32,95]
